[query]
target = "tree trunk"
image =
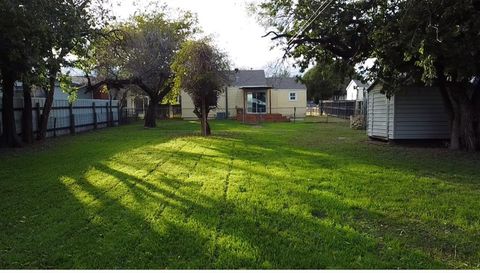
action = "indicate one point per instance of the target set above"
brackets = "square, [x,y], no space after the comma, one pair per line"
[204,117]
[27,116]
[463,112]
[476,107]
[464,121]
[42,131]
[9,135]
[205,126]
[151,116]
[206,131]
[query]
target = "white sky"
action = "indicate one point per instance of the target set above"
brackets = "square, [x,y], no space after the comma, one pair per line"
[233,29]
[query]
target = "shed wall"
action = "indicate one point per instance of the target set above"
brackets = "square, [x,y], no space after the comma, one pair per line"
[380,115]
[420,114]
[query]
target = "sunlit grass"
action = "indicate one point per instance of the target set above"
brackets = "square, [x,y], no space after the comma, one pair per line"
[304,195]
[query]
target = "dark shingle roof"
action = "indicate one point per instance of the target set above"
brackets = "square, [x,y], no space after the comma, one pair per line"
[360,83]
[248,78]
[285,83]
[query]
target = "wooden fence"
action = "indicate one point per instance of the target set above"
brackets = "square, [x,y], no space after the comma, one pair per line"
[339,108]
[69,118]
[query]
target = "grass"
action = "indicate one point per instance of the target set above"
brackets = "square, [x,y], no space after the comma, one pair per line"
[304,195]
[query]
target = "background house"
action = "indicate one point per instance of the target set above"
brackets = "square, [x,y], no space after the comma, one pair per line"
[414,113]
[287,92]
[356,90]
[253,97]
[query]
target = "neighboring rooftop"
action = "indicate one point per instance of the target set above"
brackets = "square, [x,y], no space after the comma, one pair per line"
[285,83]
[360,83]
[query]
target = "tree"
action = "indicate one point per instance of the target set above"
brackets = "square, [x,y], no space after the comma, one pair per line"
[21,36]
[201,70]
[71,24]
[437,43]
[428,42]
[140,52]
[327,79]
[35,39]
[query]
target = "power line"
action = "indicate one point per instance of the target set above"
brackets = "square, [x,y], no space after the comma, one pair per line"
[317,13]
[305,24]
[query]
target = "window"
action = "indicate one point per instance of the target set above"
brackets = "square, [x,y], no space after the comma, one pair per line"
[256,102]
[292,96]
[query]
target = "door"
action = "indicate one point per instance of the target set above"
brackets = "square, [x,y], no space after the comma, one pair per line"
[256,102]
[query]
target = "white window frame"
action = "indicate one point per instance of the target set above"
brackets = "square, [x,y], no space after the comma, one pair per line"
[290,96]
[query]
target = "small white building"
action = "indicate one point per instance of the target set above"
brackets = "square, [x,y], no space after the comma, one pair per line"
[356,90]
[414,113]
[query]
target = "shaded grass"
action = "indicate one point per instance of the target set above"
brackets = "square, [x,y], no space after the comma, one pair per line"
[304,195]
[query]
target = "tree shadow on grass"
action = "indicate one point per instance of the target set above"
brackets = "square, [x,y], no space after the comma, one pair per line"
[171,221]
[242,234]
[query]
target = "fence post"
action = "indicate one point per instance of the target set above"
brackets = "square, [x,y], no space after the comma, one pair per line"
[108,115]
[37,114]
[95,124]
[111,115]
[72,119]
[126,115]
[54,127]
[118,114]
[294,114]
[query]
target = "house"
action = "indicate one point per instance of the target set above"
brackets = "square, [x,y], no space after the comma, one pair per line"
[414,113]
[356,90]
[58,94]
[252,97]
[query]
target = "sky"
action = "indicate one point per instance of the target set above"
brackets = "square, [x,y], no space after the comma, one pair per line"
[234,30]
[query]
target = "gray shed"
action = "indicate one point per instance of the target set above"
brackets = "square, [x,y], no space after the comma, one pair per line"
[414,113]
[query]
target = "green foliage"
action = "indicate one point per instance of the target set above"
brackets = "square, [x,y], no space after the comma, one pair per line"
[249,197]
[141,48]
[39,35]
[202,71]
[328,78]
[340,28]
[22,35]
[68,87]
[408,38]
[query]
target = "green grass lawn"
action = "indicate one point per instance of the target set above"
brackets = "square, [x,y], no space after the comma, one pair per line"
[304,195]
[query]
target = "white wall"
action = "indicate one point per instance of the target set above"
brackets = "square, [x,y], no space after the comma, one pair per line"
[354,92]
[380,114]
[60,115]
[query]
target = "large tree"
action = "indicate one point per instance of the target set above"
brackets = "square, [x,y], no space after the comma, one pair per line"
[36,37]
[432,42]
[437,42]
[140,52]
[202,71]
[71,24]
[22,32]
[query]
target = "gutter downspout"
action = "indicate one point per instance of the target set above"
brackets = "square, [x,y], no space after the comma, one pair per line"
[226,102]
[244,104]
[270,99]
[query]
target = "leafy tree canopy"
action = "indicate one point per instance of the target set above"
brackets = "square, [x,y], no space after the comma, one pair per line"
[202,71]
[327,79]
[140,52]
[413,41]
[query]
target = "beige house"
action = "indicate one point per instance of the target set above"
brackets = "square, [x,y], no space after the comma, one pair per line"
[253,97]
